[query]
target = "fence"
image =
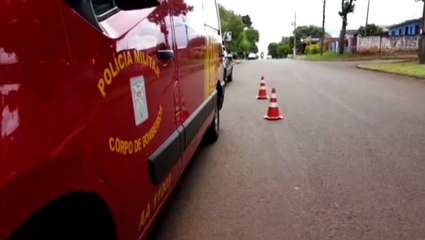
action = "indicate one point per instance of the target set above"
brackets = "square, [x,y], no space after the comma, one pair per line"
[387,44]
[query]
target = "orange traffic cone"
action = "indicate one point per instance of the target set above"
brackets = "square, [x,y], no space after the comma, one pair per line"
[262,93]
[273,112]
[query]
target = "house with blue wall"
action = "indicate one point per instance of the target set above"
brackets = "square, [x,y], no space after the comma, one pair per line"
[406,28]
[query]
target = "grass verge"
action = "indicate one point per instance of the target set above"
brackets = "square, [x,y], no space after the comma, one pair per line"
[412,69]
[331,56]
[327,56]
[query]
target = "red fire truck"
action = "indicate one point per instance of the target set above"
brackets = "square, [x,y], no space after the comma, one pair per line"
[103,104]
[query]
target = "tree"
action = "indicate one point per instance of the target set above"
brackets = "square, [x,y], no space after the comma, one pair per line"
[347,6]
[247,21]
[303,32]
[370,30]
[252,36]
[230,22]
[308,31]
[244,37]
[244,47]
[289,43]
[282,49]
[272,49]
[253,48]
[285,47]
[249,39]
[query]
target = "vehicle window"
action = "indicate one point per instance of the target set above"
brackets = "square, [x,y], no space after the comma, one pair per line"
[102,6]
[211,14]
[188,23]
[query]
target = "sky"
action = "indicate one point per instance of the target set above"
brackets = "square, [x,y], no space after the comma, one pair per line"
[273,18]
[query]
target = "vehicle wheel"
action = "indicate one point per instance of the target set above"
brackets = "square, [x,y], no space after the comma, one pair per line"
[230,77]
[214,129]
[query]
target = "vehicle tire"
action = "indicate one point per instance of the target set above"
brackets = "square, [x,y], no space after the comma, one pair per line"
[213,131]
[230,77]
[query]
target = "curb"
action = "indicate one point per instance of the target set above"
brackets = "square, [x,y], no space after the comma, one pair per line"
[392,73]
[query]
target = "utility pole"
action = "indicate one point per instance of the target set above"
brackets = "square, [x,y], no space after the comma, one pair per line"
[323,28]
[422,38]
[295,31]
[367,16]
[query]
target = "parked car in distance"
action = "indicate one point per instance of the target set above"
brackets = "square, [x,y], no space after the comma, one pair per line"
[252,56]
[228,66]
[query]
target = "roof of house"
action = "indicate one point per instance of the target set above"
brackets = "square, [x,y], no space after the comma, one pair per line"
[312,39]
[384,28]
[352,32]
[408,22]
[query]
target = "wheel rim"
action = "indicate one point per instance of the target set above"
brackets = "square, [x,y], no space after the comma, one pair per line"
[216,121]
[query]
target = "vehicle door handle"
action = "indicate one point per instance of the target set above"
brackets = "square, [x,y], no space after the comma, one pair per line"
[165,54]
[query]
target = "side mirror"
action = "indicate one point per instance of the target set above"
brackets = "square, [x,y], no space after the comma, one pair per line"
[136,4]
[229,56]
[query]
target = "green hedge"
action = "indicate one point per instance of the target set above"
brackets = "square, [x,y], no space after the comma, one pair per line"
[312,49]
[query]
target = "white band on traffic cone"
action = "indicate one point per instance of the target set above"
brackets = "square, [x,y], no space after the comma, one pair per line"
[273,105]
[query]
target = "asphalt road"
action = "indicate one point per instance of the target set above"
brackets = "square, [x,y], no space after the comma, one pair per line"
[347,162]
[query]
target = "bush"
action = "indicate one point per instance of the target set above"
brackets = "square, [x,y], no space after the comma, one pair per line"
[283,50]
[312,49]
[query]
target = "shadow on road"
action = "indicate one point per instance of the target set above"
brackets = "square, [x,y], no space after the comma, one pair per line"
[195,165]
